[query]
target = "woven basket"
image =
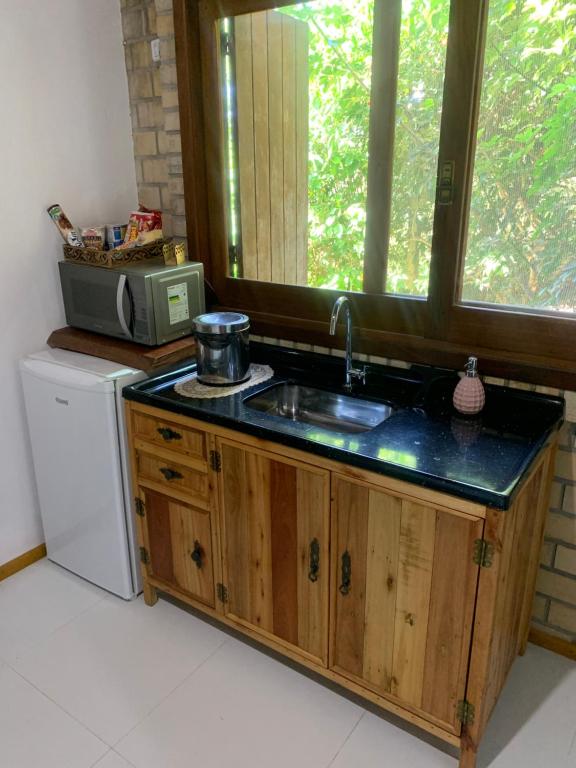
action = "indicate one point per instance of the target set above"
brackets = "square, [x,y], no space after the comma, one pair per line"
[116,257]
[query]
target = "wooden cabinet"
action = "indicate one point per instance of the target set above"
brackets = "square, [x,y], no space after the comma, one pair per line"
[403,597]
[179,545]
[275,525]
[413,599]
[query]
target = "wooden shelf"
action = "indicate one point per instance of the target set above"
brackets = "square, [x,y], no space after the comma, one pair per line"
[126,352]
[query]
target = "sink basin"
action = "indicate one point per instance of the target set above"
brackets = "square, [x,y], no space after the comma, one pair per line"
[333,411]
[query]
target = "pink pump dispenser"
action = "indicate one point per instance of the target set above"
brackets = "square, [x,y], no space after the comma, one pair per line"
[469,395]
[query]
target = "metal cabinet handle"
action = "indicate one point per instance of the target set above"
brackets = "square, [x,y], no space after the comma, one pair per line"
[314,560]
[346,573]
[168,434]
[197,554]
[171,474]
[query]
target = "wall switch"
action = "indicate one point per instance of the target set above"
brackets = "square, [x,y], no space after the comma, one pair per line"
[155,46]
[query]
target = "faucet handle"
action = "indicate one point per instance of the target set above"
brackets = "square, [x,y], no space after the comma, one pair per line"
[359,373]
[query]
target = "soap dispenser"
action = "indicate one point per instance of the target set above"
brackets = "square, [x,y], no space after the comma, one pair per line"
[469,393]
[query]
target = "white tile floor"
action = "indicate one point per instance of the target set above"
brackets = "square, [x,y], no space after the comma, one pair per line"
[89,680]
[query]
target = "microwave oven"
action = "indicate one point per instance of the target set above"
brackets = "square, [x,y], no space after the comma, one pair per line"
[148,303]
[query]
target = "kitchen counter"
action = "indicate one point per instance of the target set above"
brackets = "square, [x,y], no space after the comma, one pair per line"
[425,441]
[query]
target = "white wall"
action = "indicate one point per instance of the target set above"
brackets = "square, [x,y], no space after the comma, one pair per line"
[65,137]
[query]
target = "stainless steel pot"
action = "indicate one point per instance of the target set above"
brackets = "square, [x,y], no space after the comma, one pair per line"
[222,348]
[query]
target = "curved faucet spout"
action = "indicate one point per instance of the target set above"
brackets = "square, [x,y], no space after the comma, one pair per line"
[351,372]
[341,301]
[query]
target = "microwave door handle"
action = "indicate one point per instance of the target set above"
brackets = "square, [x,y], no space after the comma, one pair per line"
[120,305]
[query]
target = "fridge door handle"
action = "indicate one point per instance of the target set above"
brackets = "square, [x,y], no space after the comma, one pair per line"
[120,305]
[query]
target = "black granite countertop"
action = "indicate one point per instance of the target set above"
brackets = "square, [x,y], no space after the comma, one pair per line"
[425,441]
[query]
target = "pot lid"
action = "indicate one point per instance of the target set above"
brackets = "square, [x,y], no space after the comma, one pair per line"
[221,322]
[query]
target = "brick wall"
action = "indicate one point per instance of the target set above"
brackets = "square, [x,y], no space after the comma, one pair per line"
[555,603]
[154,106]
[154,109]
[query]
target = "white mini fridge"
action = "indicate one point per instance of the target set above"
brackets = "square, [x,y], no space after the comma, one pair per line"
[77,431]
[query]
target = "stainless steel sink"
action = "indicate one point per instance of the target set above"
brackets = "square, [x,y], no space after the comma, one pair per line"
[339,413]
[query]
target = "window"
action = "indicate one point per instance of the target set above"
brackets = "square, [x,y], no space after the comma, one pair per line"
[312,117]
[522,232]
[414,153]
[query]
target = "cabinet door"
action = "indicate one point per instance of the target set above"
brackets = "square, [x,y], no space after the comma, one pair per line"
[404,585]
[275,527]
[179,545]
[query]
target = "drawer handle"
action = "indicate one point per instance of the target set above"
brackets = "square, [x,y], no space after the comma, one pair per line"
[346,573]
[314,560]
[171,474]
[197,554]
[169,434]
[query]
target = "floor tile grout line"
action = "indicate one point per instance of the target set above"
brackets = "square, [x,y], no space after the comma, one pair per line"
[163,699]
[95,765]
[37,643]
[122,757]
[65,711]
[572,744]
[341,747]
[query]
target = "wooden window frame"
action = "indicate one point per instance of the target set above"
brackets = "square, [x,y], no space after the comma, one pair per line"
[438,329]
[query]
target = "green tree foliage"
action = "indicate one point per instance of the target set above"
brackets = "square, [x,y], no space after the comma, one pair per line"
[522,238]
[522,235]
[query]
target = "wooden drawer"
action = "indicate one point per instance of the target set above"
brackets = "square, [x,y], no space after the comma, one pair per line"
[165,473]
[168,434]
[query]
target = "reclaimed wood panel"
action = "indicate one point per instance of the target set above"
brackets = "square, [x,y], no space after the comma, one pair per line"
[275,111]
[351,517]
[246,157]
[186,480]
[417,535]
[261,143]
[139,356]
[384,517]
[404,629]
[271,512]
[271,66]
[312,525]
[289,143]
[173,529]
[301,131]
[190,527]
[284,544]
[168,434]
[500,617]
[452,600]
[159,537]
[234,507]
[260,586]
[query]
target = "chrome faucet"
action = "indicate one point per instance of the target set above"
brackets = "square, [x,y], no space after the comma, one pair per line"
[351,372]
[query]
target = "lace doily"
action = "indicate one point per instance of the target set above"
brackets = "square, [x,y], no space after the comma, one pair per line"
[191,387]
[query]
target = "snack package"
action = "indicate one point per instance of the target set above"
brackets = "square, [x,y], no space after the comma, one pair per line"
[145,238]
[144,220]
[69,234]
[94,237]
[115,234]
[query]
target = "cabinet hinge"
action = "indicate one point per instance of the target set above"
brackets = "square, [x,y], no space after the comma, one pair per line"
[483,553]
[222,592]
[465,712]
[144,556]
[215,461]
[139,506]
